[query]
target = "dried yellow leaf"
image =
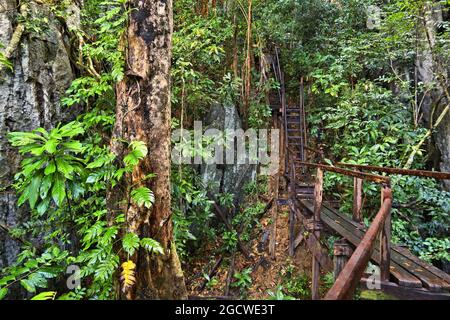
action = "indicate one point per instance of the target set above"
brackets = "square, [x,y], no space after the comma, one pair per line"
[128,275]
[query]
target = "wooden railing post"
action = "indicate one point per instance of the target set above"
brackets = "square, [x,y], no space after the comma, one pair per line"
[357,199]
[318,194]
[385,239]
[292,196]
[318,197]
[341,252]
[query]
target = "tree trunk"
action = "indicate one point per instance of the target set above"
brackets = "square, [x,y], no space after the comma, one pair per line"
[143,113]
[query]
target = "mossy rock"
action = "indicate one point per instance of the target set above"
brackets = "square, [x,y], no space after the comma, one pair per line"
[376,295]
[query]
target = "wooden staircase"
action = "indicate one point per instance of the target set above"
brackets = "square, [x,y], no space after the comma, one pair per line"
[403,274]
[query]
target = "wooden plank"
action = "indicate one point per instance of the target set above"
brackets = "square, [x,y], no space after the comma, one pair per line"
[429,280]
[404,293]
[437,272]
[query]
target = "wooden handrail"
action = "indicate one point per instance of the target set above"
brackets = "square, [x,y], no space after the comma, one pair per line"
[408,172]
[320,152]
[347,281]
[352,173]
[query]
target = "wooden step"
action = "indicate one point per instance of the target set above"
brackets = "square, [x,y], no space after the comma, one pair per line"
[295,144]
[305,196]
[439,273]
[304,192]
[282,202]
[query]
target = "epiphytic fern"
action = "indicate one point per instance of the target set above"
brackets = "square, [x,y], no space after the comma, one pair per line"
[128,275]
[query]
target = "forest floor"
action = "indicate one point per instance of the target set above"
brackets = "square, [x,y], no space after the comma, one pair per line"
[291,275]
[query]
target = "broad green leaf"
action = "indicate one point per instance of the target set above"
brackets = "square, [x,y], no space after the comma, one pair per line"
[32,264]
[30,166]
[51,168]
[24,196]
[93,178]
[65,168]
[74,146]
[45,186]
[49,295]
[36,151]
[3,292]
[50,146]
[131,159]
[71,129]
[28,285]
[76,189]
[97,163]
[58,189]
[43,206]
[43,132]
[34,190]
[18,139]
[7,279]
[37,280]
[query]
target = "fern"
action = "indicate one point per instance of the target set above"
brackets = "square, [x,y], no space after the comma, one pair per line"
[128,275]
[138,152]
[130,242]
[5,62]
[143,197]
[152,245]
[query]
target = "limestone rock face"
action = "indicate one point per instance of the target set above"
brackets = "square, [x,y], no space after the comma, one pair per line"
[226,178]
[426,75]
[442,138]
[29,98]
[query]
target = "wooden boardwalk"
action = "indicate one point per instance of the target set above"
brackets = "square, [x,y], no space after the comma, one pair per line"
[401,273]
[406,270]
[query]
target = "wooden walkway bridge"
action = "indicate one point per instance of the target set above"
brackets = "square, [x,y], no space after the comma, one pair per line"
[401,274]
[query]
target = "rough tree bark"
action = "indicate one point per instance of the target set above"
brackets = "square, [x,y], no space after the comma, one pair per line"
[143,113]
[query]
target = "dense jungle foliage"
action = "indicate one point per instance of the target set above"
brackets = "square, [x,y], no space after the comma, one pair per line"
[363,102]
